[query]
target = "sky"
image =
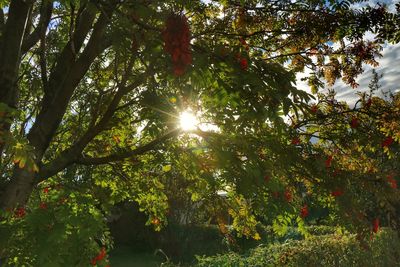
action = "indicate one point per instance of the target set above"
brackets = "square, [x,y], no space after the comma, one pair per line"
[388,67]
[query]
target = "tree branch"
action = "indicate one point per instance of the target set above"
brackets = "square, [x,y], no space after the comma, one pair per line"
[129,153]
[11,48]
[1,20]
[10,51]
[69,155]
[46,10]
[67,57]
[54,106]
[43,61]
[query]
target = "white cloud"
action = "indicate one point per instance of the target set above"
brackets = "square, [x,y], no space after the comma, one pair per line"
[391,4]
[388,67]
[389,82]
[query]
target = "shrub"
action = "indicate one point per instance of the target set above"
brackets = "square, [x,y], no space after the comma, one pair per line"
[324,250]
[62,230]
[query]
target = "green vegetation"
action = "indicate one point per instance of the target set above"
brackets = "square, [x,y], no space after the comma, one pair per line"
[325,250]
[92,98]
[126,256]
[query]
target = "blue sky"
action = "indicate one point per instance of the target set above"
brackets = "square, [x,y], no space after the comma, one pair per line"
[388,66]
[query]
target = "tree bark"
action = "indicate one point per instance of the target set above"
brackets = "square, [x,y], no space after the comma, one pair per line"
[54,106]
[10,52]
[62,87]
[18,192]
[46,9]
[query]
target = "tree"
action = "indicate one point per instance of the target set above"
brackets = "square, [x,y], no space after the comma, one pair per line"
[90,92]
[359,149]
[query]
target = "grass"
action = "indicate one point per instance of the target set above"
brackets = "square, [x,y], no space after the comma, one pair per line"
[126,257]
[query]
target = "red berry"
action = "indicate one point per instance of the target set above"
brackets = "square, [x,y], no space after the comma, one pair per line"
[304,211]
[392,181]
[296,141]
[101,255]
[337,193]
[387,142]
[393,184]
[178,70]
[328,161]
[244,64]
[43,205]
[46,190]
[354,123]
[335,172]
[375,225]
[314,108]
[368,103]
[20,212]
[288,195]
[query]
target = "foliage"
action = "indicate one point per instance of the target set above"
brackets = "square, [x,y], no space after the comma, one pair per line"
[324,250]
[361,156]
[91,92]
[55,222]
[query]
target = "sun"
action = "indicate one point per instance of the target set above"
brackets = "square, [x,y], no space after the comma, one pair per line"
[188,121]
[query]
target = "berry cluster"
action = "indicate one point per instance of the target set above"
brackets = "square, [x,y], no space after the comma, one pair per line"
[244,64]
[387,142]
[304,211]
[375,225]
[354,123]
[20,212]
[328,161]
[176,36]
[392,181]
[102,254]
[296,141]
[337,193]
[288,195]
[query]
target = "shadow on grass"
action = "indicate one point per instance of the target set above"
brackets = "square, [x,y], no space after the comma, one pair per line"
[124,256]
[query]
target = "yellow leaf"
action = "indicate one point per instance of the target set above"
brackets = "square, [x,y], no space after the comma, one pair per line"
[21,163]
[166,168]
[256,236]
[35,168]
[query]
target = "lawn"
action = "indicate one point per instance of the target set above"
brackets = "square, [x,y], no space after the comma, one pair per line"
[124,256]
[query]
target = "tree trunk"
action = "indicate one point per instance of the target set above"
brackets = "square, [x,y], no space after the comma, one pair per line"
[46,123]
[18,191]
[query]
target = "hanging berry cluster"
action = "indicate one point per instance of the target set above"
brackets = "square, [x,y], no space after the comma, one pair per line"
[100,256]
[176,36]
[244,64]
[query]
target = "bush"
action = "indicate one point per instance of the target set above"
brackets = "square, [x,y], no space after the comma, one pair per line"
[62,230]
[268,236]
[324,250]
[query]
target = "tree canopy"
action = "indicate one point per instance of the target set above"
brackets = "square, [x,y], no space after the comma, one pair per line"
[91,94]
